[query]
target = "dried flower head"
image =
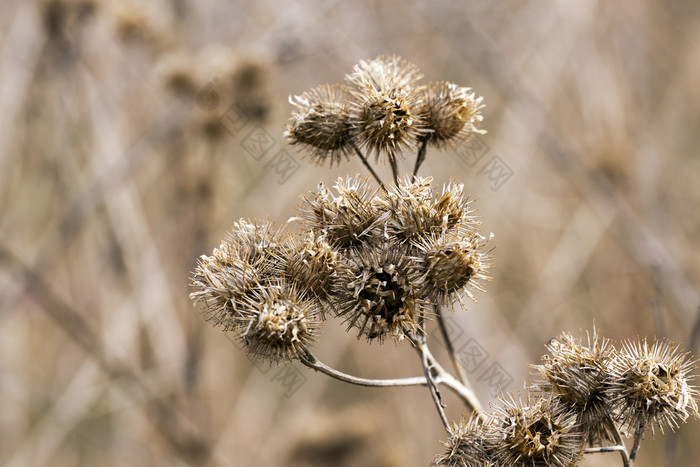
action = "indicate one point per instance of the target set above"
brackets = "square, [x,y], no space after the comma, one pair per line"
[650,386]
[535,433]
[384,111]
[320,124]
[577,374]
[277,322]
[375,295]
[451,114]
[346,219]
[448,266]
[467,445]
[414,211]
[312,263]
[223,281]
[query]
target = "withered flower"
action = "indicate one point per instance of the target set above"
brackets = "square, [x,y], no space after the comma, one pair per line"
[375,295]
[312,263]
[535,433]
[467,444]
[451,114]
[384,109]
[276,322]
[347,218]
[414,210]
[578,375]
[448,266]
[320,124]
[650,386]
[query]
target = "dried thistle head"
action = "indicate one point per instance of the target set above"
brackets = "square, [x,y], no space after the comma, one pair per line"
[535,433]
[223,281]
[650,386]
[384,111]
[467,444]
[451,114]
[312,263]
[320,124]
[375,295]
[277,322]
[578,375]
[413,210]
[347,218]
[448,266]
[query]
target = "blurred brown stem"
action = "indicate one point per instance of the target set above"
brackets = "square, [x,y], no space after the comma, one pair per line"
[420,157]
[369,167]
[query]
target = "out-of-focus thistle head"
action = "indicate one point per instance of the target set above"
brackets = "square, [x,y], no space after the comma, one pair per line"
[467,444]
[320,124]
[535,433]
[346,218]
[578,375]
[384,110]
[414,210]
[375,295]
[277,322]
[448,266]
[650,386]
[451,114]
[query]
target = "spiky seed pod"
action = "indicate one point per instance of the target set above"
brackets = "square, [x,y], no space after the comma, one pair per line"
[467,445]
[256,243]
[535,433]
[384,111]
[451,114]
[374,293]
[224,280]
[448,266]
[276,321]
[320,124]
[221,283]
[650,386]
[577,374]
[346,219]
[414,211]
[312,263]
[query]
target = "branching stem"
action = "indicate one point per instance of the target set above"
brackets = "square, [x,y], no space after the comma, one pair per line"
[369,167]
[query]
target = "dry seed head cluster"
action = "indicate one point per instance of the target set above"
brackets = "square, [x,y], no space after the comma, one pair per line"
[383,111]
[274,288]
[584,393]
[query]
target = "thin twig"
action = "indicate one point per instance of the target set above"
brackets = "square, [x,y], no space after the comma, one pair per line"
[312,362]
[437,400]
[618,441]
[450,348]
[635,445]
[394,168]
[420,157]
[604,449]
[369,167]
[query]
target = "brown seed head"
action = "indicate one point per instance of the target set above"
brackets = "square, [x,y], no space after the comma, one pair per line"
[467,444]
[451,114]
[320,124]
[650,386]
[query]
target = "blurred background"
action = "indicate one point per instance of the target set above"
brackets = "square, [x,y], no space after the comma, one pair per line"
[132,134]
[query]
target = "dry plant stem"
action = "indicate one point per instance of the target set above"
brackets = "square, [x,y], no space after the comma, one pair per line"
[420,157]
[312,362]
[394,168]
[450,348]
[635,445]
[369,167]
[465,393]
[619,446]
[435,394]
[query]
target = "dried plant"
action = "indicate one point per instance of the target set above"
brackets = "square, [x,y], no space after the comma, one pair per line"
[385,259]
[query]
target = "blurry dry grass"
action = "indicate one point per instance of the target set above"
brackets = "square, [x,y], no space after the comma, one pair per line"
[114,177]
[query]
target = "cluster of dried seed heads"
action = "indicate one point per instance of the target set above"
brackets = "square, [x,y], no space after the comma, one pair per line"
[360,255]
[383,111]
